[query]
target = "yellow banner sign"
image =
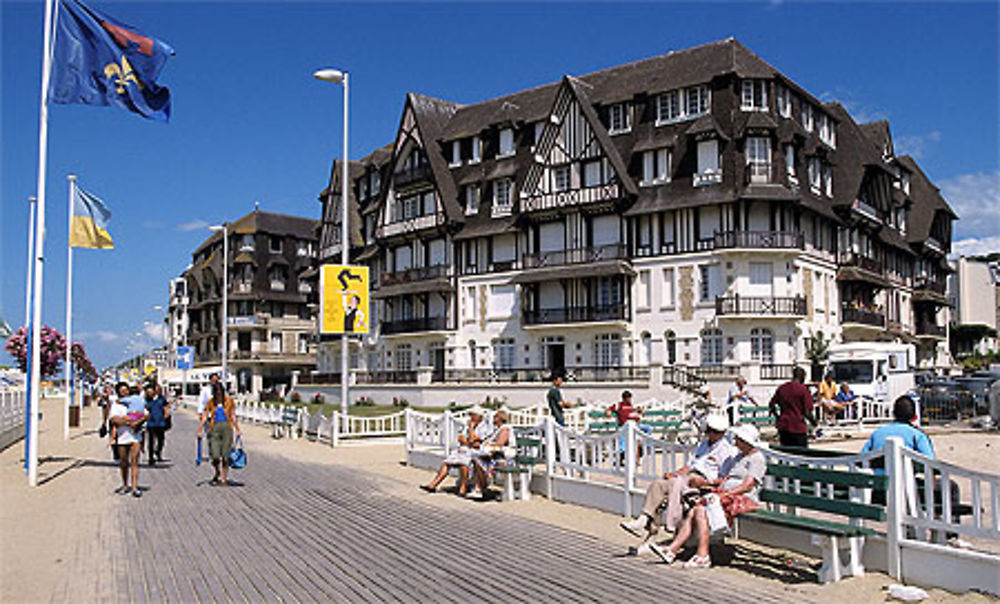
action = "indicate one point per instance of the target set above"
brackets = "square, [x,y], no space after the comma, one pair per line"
[343,301]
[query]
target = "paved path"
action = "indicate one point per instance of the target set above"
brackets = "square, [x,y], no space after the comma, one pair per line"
[304,532]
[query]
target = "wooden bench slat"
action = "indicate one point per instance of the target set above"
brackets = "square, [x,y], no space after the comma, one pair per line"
[833,506]
[834,477]
[815,525]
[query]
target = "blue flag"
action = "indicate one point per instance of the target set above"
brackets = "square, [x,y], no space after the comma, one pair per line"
[98,60]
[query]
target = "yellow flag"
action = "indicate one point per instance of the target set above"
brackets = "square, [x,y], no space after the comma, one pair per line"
[90,222]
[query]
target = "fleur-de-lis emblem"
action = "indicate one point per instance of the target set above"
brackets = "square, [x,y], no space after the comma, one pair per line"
[121,75]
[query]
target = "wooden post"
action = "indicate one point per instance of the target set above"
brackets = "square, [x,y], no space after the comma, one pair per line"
[630,457]
[447,430]
[550,455]
[894,505]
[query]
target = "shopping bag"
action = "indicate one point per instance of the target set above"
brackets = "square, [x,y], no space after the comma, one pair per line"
[197,459]
[237,456]
[716,515]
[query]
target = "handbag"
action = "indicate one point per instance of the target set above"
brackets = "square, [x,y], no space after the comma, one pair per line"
[237,456]
[168,423]
[716,515]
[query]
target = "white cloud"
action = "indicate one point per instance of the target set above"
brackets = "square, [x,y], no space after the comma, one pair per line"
[192,225]
[102,336]
[154,331]
[860,111]
[976,199]
[915,144]
[975,246]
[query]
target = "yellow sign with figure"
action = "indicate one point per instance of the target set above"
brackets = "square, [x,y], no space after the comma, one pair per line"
[343,301]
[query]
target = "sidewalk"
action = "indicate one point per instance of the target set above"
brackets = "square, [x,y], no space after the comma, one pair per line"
[66,524]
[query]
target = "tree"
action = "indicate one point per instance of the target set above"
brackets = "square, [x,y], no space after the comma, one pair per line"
[81,363]
[52,351]
[817,348]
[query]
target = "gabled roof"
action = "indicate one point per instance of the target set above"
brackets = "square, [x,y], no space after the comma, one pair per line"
[927,202]
[432,116]
[621,168]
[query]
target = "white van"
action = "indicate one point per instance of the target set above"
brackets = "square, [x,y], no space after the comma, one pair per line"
[880,370]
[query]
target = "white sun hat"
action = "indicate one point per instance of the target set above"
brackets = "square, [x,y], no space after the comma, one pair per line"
[747,434]
[477,410]
[717,422]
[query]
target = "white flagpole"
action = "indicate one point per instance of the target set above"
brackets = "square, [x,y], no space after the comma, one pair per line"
[31,260]
[36,339]
[69,311]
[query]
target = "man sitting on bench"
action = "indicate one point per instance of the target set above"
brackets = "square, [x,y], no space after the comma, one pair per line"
[665,493]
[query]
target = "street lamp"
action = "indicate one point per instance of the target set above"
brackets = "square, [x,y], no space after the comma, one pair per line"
[337,76]
[166,330]
[224,228]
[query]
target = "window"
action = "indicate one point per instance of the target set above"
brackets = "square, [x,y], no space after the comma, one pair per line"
[593,174]
[904,181]
[503,353]
[807,116]
[276,342]
[472,199]
[539,130]
[681,104]
[560,178]
[246,243]
[826,130]
[790,161]
[828,180]
[814,169]
[759,158]
[711,346]
[655,166]
[761,345]
[754,97]
[477,150]
[644,290]
[502,301]
[376,183]
[303,343]
[608,350]
[609,292]
[705,283]
[502,195]
[671,341]
[278,277]
[456,154]
[667,293]
[761,273]
[618,118]
[470,303]
[404,358]
[506,142]
[784,101]
[708,163]
[668,106]
[275,246]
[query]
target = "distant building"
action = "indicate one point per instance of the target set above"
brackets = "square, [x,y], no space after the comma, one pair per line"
[693,216]
[975,296]
[272,291]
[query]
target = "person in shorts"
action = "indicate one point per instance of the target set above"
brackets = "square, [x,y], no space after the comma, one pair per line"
[126,430]
[220,415]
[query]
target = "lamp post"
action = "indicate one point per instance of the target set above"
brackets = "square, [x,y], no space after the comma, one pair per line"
[166,334]
[224,227]
[337,76]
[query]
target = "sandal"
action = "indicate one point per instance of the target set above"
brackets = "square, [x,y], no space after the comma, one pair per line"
[214,482]
[698,562]
[428,489]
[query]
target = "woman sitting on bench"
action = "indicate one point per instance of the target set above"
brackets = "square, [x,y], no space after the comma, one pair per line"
[501,446]
[738,489]
[469,444]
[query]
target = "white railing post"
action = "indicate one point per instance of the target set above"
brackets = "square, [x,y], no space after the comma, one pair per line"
[630,459]
[894,505]
[408,434]
[334,428]
[446,436]
[550,454]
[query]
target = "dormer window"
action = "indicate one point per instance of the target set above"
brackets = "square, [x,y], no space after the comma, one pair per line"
[456,154]
[560,178]
[618,118]
[784,101]
[472,199]
[754,97]
[506,143]
[477,150]
[539,130]
[655,167]
[376,183]
[681,104]
[807,117]
[904,182]
[826,130]
[814,170]
[503,196]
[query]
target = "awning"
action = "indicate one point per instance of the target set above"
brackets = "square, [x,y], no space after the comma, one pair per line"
[414,287]
[574,271]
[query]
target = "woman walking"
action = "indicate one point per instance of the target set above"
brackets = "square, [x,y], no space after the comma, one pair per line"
[126,438]
[220,414]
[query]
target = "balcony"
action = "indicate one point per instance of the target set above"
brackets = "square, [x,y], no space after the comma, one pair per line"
[242,287]
[513,375]
[410,225]
[386,377]
[754,306]
[865,210]
[862,316]
[278,286]
[305,288]
[773,371]
[572,197]
[926,290]
[927,329]
[401,326]
[582,255]
[245,321]
[760,173]
[760,240]
[412,175]
[934,245]
[576,314]
[855,267]
[703,179]
[416,274]
[272,357]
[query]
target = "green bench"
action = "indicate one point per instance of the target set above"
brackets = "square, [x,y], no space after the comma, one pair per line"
[286,425]
[529,453]
[756,416]
[845,534]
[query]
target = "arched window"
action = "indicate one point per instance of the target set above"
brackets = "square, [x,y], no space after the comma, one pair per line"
[646,350]
[711,346]
[762,345]
[670,338]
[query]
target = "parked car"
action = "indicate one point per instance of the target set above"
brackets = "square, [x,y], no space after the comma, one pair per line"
[943,400]
[980,388]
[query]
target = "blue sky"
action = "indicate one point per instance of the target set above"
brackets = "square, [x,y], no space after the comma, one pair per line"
[250,124]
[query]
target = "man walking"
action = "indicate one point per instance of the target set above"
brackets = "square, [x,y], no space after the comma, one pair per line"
[738,395]
[793,405]
[156,425]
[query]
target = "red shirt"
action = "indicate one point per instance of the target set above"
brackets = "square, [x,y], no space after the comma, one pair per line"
[624,411]
[793,401]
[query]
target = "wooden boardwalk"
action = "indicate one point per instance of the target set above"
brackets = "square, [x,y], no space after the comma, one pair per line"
[304,532]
